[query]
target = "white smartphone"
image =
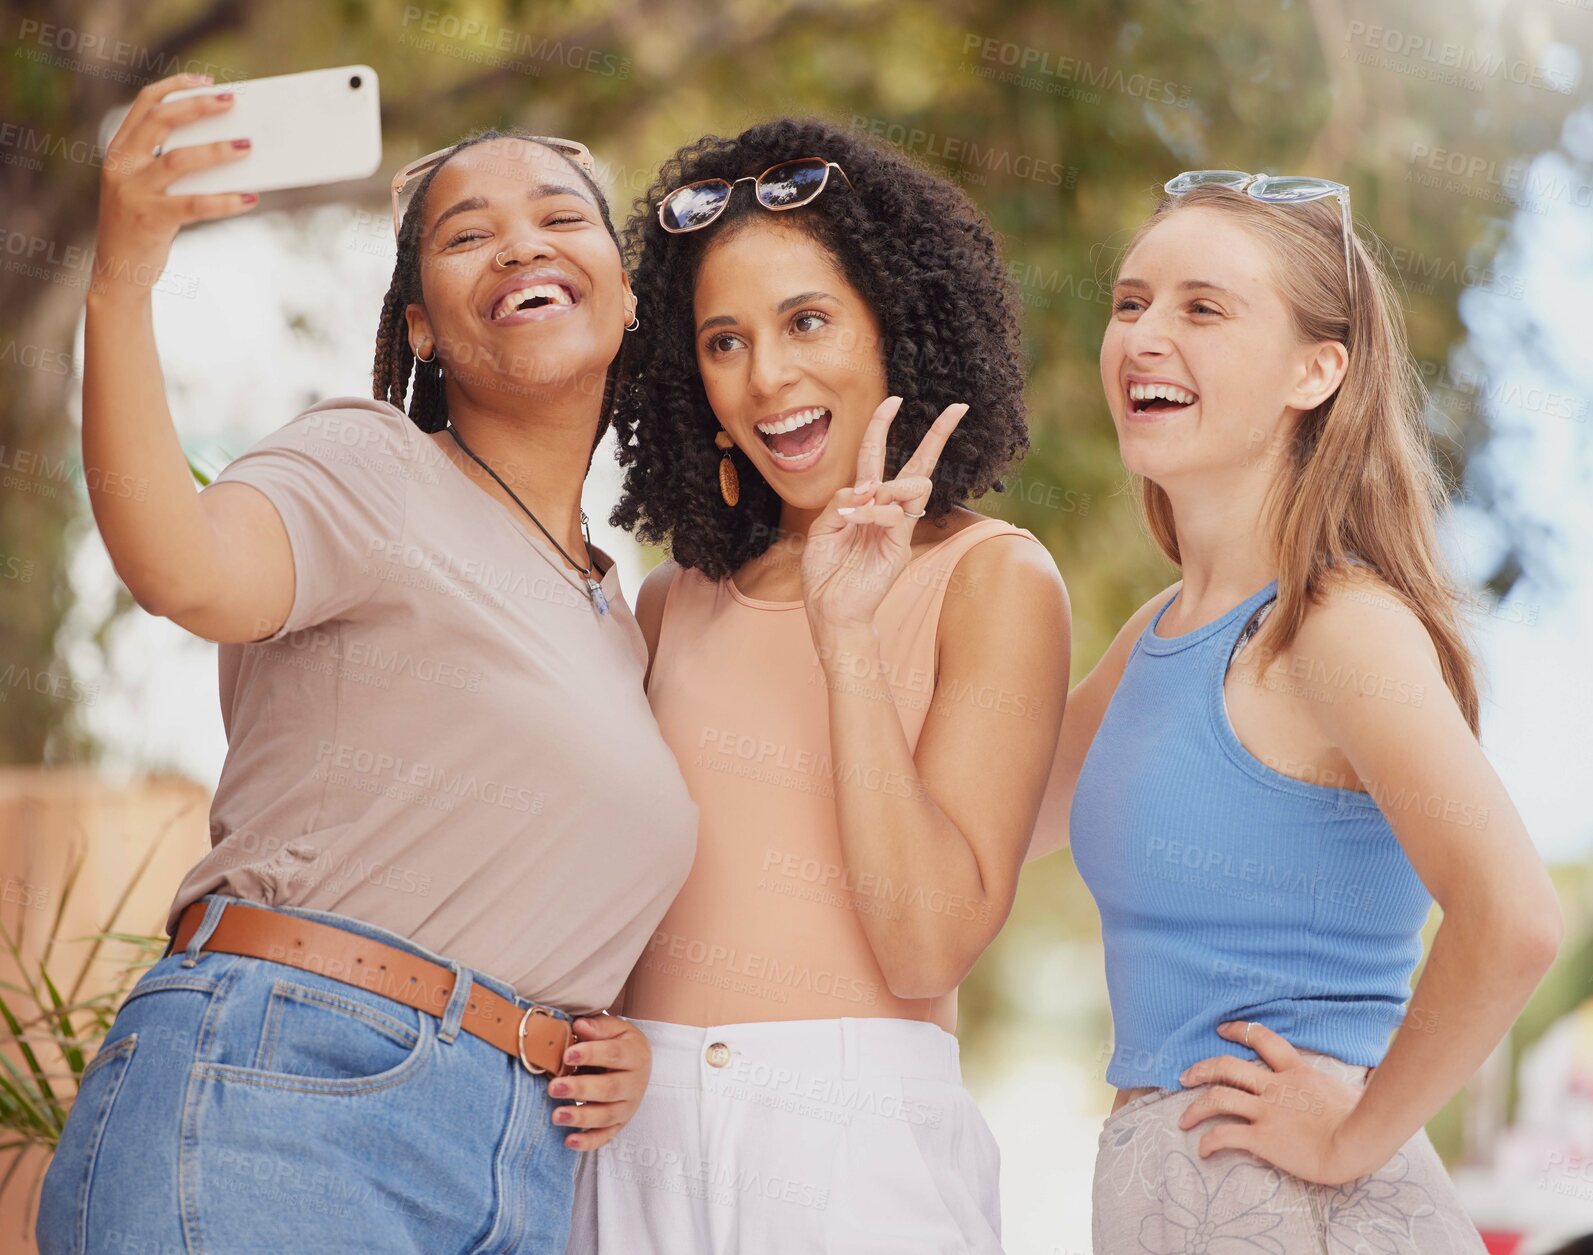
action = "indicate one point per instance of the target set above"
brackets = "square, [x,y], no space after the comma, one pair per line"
[314,127]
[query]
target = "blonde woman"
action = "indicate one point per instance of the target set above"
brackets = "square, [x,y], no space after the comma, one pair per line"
[1275,766]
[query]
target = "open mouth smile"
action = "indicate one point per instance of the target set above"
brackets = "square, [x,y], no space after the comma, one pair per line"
[1156,398]
[532,298]
[796,438]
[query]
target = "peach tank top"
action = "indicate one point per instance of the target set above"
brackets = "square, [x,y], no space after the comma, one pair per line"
[766,926]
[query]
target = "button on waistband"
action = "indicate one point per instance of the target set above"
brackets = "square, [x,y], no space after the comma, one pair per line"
[717,1054]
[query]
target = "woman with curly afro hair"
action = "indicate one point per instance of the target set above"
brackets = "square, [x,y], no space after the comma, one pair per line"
[862,680]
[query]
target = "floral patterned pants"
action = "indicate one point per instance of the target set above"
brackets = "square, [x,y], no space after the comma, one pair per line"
[1154,1194]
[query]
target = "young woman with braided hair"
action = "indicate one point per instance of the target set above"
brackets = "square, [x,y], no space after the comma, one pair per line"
[380,975]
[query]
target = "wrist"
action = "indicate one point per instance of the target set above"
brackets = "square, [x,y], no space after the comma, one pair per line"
[844,645]
[114,292]
[125,276]
[1359,1146]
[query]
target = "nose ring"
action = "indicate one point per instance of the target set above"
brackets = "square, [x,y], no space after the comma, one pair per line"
[498,258]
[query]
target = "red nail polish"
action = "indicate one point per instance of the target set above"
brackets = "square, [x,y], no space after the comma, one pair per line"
[223,95]
[249,198]
[242,143]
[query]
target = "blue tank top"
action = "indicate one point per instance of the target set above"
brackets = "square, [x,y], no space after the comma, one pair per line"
[1229,890]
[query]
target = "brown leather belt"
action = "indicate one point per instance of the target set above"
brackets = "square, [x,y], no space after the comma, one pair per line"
[535,1036]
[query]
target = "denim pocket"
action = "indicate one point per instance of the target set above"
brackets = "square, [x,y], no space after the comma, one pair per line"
[64,1196]
[315,1035]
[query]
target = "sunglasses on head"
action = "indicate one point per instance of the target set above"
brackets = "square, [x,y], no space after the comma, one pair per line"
[1279,189]
[784,186]
[576,152]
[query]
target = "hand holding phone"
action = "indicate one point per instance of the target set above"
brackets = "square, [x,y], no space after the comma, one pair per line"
[188,149]
[309,128]
[138,218]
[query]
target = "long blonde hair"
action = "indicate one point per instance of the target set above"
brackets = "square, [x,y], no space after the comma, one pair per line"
[1359,480]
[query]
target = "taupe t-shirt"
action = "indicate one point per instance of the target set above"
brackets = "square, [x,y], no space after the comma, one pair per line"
[444,738]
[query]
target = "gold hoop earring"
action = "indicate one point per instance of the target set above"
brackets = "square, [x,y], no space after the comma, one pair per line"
[729,481]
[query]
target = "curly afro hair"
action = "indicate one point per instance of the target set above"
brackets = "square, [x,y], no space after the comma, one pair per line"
[923,259]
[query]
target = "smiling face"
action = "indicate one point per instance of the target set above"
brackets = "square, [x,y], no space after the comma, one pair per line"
[1202,368]
[554,313]
[790,357]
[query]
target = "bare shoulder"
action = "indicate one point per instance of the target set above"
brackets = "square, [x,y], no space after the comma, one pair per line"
[1359,620]
[650,601]
[1005,570]
[655,587]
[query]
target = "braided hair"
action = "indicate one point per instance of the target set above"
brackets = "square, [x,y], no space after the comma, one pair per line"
[395,361]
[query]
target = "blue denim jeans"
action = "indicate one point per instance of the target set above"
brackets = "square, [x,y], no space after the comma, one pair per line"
[240,1104]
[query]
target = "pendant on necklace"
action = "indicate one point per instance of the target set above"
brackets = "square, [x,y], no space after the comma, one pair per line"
[596,590]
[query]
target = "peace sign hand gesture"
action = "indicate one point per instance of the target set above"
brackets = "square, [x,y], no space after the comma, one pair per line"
[864,538]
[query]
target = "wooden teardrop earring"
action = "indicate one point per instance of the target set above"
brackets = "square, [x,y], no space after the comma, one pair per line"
[729,481]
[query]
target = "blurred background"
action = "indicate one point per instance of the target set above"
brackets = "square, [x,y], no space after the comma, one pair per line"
[1463,127]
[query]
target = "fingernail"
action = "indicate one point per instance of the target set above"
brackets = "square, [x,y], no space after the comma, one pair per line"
[561,1116]
[582,1023]
[846,509]
[559,1088]
[223,95]
[242,143]
[573,1055]
[862,486]
[249,198]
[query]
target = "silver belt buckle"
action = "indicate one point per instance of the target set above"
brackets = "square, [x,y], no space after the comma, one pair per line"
[520,1042]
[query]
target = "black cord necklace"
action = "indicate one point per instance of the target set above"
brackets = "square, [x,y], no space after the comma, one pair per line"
[594,590]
